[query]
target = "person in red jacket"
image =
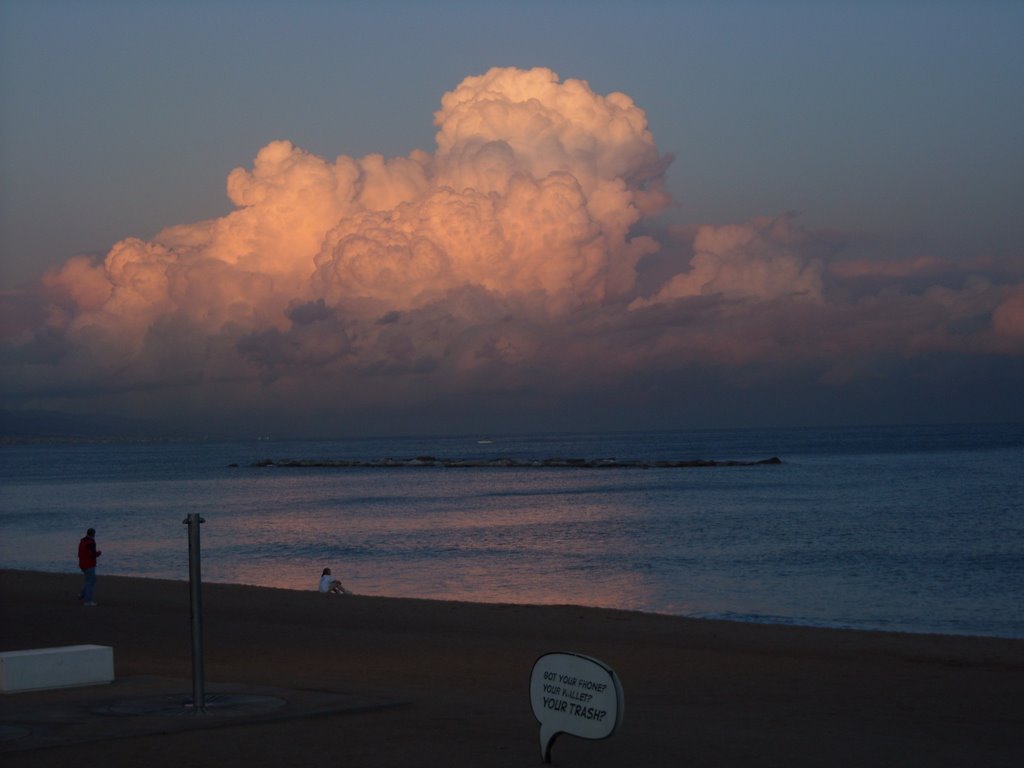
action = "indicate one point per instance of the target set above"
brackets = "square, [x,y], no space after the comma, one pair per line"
[87,554]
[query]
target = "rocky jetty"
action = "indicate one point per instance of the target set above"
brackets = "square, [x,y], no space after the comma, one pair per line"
[506,462]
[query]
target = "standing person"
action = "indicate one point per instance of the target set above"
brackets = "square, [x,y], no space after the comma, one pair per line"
[87,554]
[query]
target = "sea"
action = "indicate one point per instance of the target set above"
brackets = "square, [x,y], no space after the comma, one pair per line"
[896,528]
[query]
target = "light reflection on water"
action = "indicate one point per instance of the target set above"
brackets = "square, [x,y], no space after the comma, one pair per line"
[486,535]
[927,541]
[491,536]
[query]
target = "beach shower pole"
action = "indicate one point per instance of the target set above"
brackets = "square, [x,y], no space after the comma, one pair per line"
[195,580]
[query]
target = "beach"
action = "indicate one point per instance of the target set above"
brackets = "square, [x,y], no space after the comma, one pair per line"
[452,682]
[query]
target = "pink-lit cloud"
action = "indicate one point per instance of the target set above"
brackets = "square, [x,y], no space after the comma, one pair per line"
[863,268]
[761,259]
[1008,316]
[507,268]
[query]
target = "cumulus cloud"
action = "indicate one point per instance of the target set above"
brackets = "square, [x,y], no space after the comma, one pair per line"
[532,191]
[761,259]
[520,262]
[1008,317]
[864,268]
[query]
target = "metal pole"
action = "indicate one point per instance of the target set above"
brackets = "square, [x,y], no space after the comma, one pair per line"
[195,580]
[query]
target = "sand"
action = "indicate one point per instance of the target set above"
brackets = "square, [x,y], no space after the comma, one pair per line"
[697,692]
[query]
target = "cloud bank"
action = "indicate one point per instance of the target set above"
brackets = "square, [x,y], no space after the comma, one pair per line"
[517,273]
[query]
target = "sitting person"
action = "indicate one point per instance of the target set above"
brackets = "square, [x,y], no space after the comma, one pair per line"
[330,584]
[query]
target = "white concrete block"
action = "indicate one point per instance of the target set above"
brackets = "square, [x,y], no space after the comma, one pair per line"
[43,668]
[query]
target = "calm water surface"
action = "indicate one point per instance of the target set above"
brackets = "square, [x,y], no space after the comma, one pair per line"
[900,528]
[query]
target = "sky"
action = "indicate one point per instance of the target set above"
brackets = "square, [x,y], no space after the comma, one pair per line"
[330,219]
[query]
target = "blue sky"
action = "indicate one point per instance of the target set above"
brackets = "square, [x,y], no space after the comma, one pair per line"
[892,118]
[889,131]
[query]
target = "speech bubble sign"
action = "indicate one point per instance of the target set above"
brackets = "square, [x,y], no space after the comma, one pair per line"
[575,694]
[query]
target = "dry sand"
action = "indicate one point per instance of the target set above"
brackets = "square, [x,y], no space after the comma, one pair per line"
[697,693]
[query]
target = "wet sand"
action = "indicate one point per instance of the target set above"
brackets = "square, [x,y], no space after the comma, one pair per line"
[697,692]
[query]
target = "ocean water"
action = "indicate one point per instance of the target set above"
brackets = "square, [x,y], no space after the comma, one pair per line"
[916,529]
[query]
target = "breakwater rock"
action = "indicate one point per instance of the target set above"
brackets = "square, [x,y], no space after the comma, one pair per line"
[505,462]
